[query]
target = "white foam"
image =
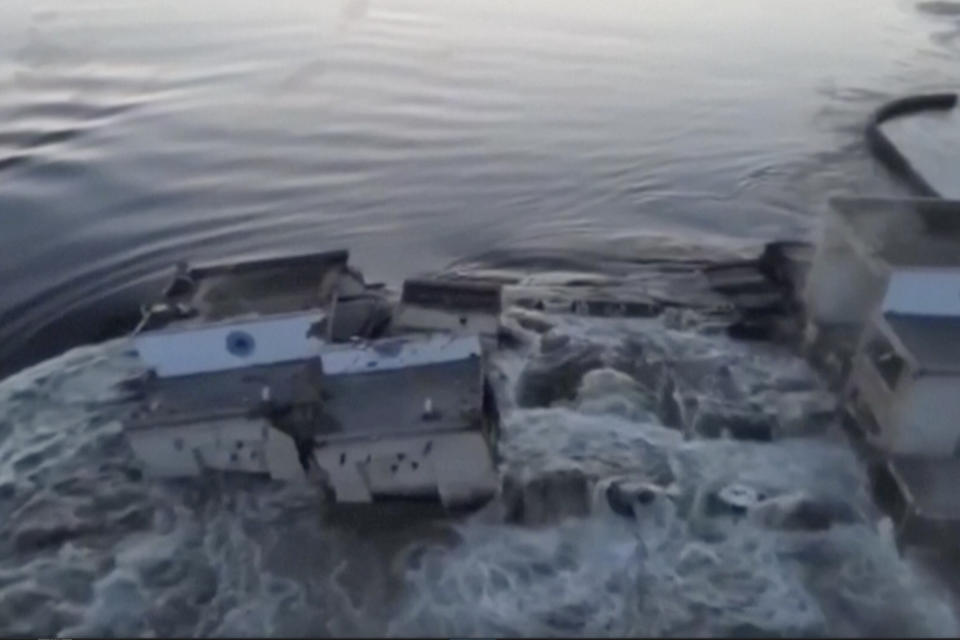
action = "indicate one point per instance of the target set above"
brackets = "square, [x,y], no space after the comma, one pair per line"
[90,549]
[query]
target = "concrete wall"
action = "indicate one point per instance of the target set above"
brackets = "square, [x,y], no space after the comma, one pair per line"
[234,444]
[929,417]
[457,466]
[924,291]
[206,349]
[881,402]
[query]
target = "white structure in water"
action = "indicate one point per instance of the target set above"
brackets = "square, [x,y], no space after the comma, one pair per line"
[906,372]
[889,272]
[287,367]
[871,245]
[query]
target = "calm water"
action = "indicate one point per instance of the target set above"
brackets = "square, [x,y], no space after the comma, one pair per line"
[134,133]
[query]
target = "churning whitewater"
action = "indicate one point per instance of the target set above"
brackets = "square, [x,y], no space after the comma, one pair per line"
[631,505]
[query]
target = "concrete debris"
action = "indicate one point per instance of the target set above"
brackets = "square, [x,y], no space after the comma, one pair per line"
[360,318]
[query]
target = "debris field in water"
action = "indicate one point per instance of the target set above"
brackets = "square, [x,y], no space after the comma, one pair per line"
[657,479]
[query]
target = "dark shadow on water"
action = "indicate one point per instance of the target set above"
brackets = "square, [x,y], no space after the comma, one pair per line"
[939,8]
[95,321]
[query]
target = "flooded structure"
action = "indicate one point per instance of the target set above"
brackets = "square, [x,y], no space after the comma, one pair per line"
[887,273]
[293,368]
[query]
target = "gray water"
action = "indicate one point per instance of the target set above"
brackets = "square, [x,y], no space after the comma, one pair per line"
[136,133]
[90,548]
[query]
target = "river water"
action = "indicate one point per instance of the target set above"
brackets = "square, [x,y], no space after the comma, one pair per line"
[134,133]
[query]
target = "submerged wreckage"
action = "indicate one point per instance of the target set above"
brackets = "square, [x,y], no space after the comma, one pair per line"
[296,368]
[885,288]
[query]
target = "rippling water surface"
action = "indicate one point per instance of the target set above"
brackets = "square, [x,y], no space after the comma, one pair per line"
[134,133]
[137,132]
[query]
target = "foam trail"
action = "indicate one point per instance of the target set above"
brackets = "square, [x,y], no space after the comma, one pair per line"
[90,547]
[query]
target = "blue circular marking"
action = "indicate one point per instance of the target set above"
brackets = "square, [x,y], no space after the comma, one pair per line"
[240,343]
